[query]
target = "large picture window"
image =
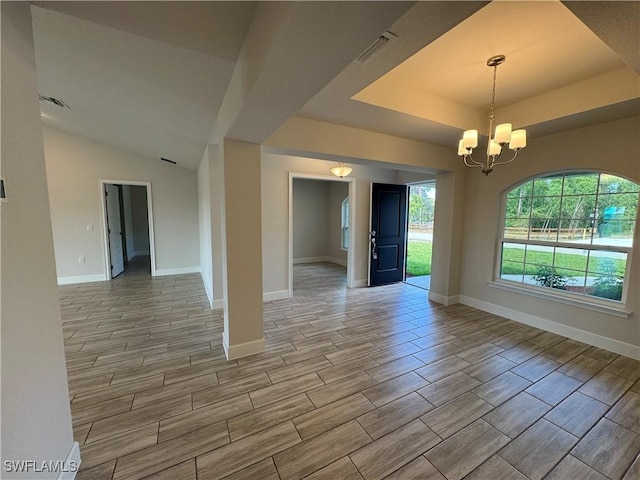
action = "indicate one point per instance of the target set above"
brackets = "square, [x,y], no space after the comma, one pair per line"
[571,233]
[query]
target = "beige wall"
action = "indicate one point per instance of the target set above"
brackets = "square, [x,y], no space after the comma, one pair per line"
[611,147]
[36,419]
[75,166]
[275,213]
[310,218]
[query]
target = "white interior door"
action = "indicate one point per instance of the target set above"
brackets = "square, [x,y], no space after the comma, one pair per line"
[116,253]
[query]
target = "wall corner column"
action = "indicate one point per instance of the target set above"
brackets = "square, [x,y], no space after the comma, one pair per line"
[241,217]
[447,237]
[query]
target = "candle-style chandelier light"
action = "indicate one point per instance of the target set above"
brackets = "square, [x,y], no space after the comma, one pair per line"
[516,139]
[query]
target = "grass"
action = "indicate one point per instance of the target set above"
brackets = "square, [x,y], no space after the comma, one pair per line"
[418,258]
[566,263]
[419,261]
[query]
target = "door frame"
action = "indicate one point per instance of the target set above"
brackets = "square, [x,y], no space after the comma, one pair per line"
[351,253]
[406,232]
[420,183]
[105,228]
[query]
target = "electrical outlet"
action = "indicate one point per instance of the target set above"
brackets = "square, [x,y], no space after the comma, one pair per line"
[81,259]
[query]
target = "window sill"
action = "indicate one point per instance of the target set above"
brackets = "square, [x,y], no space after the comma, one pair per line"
[596,306]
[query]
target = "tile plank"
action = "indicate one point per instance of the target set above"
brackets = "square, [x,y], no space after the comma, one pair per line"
[394,450]
[313,454]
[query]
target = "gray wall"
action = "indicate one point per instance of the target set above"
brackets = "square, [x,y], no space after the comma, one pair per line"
[36,419]
[310,219]
[317,220]
[612,147]
[128,221]
[75,203]
[140,220]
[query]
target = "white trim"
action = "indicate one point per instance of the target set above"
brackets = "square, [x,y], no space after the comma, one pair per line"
[297,261]
[335,260]
[73,456]
[583,301]
[351,252]
[207,287]
[177,271]
[103,210]
[594,339]
[242,350]
[446,301]
[217,304]
[279,295]
[360,283]
[100,277]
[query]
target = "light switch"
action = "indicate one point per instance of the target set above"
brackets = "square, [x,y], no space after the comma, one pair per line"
[89,228]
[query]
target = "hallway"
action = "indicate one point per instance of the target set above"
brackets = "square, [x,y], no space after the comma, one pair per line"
[355,383]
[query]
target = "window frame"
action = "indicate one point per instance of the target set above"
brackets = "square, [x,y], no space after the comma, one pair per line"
[344,225]
[615,307]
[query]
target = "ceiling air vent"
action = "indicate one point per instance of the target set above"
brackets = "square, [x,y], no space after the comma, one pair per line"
[57,102]
[385,39]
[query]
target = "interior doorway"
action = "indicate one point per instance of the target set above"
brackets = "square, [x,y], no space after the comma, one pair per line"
[321,222]
[128,228]
[422,201]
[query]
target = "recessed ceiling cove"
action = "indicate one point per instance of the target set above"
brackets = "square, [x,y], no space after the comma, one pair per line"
[549,52]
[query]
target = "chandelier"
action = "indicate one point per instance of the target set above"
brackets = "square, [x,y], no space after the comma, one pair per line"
[517,139]
[341,170]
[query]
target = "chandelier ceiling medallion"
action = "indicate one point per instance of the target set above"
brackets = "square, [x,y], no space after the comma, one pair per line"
[503,135]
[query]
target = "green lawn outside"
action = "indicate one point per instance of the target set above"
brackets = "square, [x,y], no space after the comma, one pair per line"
[418,258]
[566,263]
[419,261]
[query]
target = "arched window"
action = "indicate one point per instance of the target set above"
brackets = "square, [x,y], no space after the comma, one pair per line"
[570,234]
[344,231]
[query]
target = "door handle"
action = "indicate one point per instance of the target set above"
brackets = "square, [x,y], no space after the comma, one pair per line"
[374,245]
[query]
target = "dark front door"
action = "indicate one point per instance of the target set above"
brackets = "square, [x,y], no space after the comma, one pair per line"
[388,233]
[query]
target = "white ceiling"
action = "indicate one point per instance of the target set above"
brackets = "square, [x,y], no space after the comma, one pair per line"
[154,86]
[151,76]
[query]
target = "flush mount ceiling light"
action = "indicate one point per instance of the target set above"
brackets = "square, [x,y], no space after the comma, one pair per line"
[57,102]
[503,135]
[341,170]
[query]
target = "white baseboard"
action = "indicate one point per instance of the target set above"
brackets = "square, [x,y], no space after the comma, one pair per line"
[242,350]
[360,283]
[446,301]
[82,279]
[271,296]
[217,304]
[176,271]
[208,288]
[71,463]
[616,346]
[296,261]
[335,260]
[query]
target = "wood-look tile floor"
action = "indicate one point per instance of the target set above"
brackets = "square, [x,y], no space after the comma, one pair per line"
[365,383]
